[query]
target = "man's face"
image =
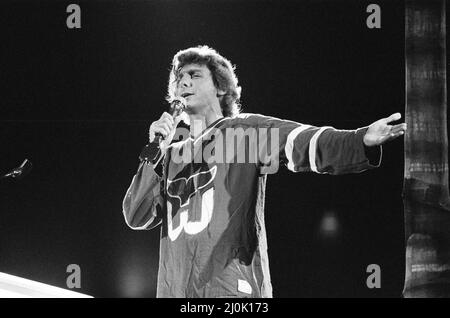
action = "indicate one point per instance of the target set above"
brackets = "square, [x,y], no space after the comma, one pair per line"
[196,85]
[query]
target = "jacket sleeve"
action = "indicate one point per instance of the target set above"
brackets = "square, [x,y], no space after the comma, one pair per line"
[303,147]
[143,203]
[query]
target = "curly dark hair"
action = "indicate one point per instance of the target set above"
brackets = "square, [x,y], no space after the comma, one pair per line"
[222,71]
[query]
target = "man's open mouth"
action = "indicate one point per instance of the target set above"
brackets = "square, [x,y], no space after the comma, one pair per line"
[184,95]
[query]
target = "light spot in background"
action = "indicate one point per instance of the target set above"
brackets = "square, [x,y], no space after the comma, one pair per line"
[133,276]
[329,225]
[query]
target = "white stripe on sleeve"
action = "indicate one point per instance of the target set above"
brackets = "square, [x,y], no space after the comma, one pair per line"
[313,148]
[289,147]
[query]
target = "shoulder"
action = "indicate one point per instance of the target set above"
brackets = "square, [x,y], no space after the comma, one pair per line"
[247,120]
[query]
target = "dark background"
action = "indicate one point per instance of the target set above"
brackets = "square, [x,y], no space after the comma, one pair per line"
[78,104]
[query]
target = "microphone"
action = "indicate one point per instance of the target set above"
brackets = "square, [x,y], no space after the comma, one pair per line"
[21,171]
[152,151]
[177,106]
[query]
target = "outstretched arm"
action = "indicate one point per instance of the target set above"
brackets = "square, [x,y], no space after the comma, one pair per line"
[325,149]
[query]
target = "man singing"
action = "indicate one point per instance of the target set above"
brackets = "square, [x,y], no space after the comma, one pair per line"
[211,210]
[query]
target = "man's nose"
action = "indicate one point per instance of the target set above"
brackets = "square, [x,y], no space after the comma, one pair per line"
[185,82]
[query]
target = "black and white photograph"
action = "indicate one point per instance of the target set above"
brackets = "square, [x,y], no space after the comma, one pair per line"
[235,149]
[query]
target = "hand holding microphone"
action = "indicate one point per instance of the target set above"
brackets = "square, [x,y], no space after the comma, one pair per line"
[163,130]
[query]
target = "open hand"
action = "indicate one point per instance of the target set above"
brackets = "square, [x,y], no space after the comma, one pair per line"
[380,131]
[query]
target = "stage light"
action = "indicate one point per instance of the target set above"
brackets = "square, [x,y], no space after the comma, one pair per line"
[17,287]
